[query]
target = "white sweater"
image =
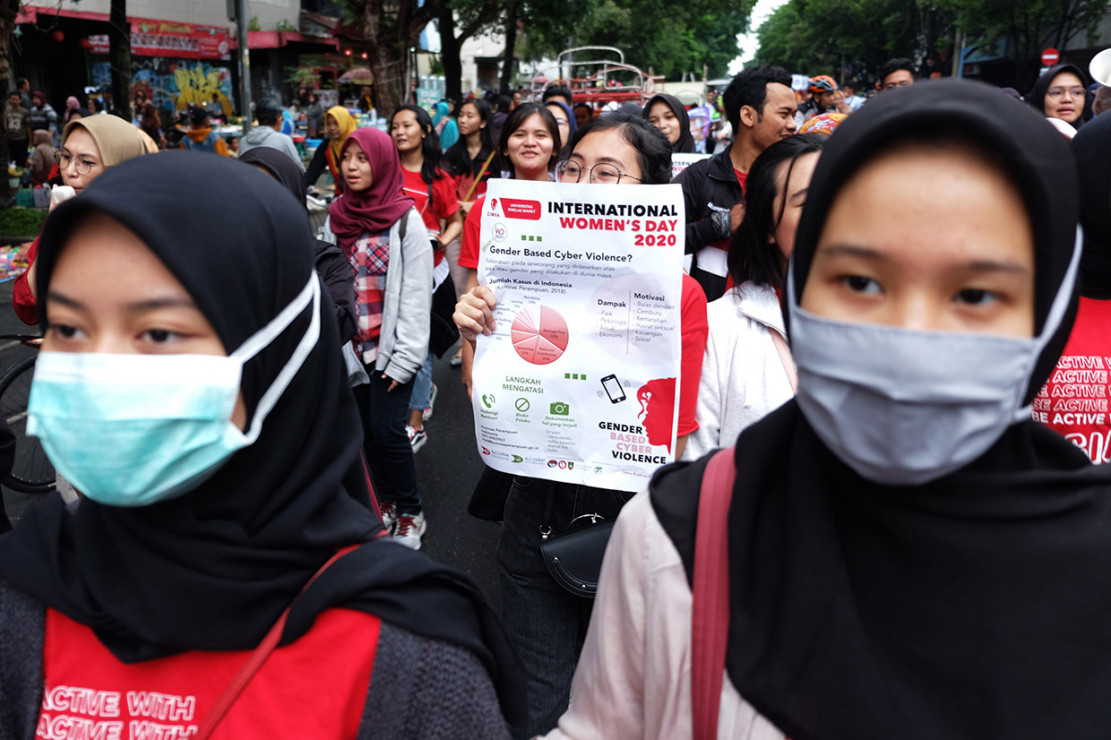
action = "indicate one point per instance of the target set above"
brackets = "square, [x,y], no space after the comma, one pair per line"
[743,378]
[633,679]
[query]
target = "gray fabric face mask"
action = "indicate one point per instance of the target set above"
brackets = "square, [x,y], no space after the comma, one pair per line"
[905,407]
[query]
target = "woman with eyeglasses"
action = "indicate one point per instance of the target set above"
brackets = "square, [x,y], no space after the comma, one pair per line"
[90,145]
[529,145]
[1061,93]
[546,623]
[565,119]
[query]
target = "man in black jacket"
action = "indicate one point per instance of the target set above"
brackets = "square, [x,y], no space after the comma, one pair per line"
[760,106]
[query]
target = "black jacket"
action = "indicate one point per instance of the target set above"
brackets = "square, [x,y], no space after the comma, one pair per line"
[708,185]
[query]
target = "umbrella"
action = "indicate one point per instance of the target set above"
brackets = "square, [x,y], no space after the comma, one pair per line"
[357,74]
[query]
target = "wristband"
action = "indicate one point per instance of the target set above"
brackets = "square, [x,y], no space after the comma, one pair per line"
[722,224]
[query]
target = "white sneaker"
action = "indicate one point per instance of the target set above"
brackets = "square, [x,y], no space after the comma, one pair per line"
[417,437]
[431,402]
[389,515]
[409,529]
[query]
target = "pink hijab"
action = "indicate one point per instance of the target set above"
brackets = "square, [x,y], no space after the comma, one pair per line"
[378,208]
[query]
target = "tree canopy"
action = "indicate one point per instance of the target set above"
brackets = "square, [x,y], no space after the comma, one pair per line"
[650,32]
[852,38]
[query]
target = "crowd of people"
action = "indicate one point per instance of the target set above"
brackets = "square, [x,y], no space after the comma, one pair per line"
[887,510]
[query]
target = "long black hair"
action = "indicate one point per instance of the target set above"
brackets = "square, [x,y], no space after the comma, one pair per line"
[430,168]
[458,158]
[516,119]
[753,256]
[653,148]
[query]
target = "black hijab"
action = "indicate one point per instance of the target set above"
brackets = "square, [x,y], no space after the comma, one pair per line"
[973,606]
[280,166]
[213,569]
[1036,98]
[1092,149]
[685,144]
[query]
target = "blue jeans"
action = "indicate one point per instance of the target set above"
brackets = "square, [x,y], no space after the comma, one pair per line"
[422,387]
[386,444]
[546,623]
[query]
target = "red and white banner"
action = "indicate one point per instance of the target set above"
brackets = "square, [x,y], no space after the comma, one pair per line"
[168,39]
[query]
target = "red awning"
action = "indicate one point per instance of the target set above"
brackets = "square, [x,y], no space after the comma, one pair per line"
[278,39]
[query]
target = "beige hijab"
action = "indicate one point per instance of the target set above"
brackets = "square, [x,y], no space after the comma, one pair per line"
[117,140]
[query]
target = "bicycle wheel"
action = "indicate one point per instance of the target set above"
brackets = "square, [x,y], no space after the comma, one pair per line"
[31,471]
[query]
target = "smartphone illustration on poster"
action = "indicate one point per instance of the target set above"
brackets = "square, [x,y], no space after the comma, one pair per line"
[613,389]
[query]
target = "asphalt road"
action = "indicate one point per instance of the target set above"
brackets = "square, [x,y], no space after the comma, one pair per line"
[448,466]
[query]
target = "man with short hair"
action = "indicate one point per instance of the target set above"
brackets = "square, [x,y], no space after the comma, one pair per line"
[17,123]
[561,93]
[267,133]
[760,106]
[43,115]
[23,85]
[896,73]
[1101,103]
[213,107]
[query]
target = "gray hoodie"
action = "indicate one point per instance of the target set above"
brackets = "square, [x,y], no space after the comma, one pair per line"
[266,136]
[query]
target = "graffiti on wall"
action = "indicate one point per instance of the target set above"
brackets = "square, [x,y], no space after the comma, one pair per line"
[172,85]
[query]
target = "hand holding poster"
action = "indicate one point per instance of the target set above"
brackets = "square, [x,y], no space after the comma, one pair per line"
[578,381]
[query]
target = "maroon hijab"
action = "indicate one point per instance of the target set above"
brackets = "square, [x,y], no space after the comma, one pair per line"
[376,209]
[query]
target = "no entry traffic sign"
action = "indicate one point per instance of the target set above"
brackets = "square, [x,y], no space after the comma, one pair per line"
[1050,57]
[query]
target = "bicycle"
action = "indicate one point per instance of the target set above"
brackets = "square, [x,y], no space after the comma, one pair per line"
[31,470]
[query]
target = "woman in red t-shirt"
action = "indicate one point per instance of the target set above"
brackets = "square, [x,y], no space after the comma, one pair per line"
[190,386]
[1074,402]
[530,143]
[546,623]
[433,191]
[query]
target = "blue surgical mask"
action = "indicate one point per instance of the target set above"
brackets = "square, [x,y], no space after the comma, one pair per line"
[131,430]
[905,407]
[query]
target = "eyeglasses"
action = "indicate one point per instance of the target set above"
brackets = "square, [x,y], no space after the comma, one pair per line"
[63,159]
[1073,92]
[601,174]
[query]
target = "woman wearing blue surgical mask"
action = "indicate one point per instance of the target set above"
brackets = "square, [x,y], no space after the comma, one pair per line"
[900,551]
[191,388]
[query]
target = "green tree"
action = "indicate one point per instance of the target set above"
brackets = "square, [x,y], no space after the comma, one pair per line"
[119,49]
[651,33]
[390,28]
[850,39]
[1026,27]
[8,11]
[460,21]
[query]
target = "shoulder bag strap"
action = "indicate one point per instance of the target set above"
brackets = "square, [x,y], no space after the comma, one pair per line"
[237,685]
[785,358]
[710,608]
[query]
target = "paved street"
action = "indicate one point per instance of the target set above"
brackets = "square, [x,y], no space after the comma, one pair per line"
[448,466]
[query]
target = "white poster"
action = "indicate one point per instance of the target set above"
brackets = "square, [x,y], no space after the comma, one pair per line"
[578,381]
[680,162]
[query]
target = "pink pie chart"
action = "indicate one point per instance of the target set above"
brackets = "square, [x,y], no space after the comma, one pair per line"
[539,335]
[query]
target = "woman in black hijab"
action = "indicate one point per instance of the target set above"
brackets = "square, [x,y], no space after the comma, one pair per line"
[906,553]
[666,113]
[169,585]
[1082,419]
[1061,93]
[330,262]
